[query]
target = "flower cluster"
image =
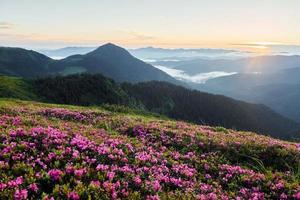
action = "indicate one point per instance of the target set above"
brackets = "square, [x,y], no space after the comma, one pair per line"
[135,159]
[66,114]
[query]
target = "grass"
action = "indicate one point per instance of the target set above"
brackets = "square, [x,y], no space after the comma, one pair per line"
[234,160]
[14,87]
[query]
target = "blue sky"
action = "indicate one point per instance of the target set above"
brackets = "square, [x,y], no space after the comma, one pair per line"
[163,23]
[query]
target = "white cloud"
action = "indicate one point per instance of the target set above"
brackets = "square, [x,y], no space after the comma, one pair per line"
[197,78]
[6,25]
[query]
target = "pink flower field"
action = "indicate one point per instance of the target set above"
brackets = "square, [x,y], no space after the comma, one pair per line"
[59,152]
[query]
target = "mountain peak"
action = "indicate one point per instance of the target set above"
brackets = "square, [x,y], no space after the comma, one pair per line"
[109,49]
[110,45]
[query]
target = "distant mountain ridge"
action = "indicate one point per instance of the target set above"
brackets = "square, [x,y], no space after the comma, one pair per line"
[23,63]
[270,63]
[150,52]
[109,60]
[271,80]
[66,51]
[279,90]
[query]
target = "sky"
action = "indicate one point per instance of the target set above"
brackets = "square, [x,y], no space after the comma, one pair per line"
[160,23]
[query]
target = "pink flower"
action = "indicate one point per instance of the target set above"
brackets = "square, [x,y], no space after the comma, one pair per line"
[156,185]
[114,195]
[79,172]
[14,183]
[206,166]
[38,175]
[20,194]
[107,186]
[51,155]
[48,198]
[257,195]
[55,174]
[19,132]
[137,180]
[33,187]
[176,181]
[16,121]
[110,175]
[125,193]
[75,154]
[297,196]
[95,183]
[152,197]
[298,146]
[69,169]
[207,176]
[73,196]
[283,196]
[203,197]
[101,167]
[279,186]
[212,196]
[205,187]
[2,186]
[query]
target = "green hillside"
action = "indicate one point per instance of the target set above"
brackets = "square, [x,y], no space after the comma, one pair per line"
[23,63]
[158,97]
[68,152]
[13,87]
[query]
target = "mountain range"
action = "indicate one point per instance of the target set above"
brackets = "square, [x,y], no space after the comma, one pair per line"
[109,60]
[278,90]
[270,80]
[257,64]
[154,53]
[66,51]
[46,79]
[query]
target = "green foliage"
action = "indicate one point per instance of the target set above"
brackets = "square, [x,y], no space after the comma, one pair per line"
[81,89]
[13,87]
[202,108]
[73,70]
[221,129]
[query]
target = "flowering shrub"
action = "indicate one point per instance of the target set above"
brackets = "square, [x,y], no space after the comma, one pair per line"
[65,155]
[66,114]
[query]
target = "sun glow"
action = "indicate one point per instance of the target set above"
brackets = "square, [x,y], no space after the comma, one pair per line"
[258,46]
[267,43]
[262,47]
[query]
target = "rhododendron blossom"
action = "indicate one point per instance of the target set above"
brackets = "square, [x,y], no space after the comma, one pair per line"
[54,153]
[55,174]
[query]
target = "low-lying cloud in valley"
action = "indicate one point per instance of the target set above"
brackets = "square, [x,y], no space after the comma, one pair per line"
[197,78]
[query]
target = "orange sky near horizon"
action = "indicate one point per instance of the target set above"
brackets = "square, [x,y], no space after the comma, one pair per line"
[248,25]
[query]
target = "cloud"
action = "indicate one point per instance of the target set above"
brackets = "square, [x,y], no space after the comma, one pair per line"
[134,35]
[6,25]
[141,36]
[37,40]
[262,45]
[273,47]
[197,78]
